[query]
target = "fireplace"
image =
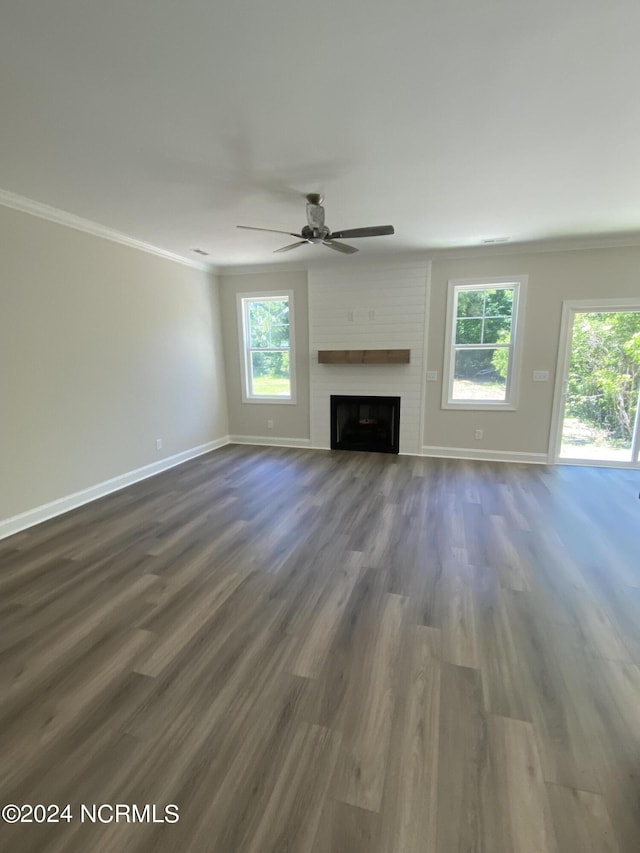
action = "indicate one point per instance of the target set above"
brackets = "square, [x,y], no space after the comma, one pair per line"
[365,423]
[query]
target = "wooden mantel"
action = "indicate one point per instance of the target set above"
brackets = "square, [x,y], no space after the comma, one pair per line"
[364,356]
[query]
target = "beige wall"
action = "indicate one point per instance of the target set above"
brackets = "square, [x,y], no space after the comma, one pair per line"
[103,349]
[553,277]
[291,420]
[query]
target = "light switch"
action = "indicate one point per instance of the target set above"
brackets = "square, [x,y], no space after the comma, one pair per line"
[540,375]
[432,375]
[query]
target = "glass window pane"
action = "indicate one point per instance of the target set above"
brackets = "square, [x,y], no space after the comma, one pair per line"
[279,310]
[267,342]
[470,303]
[480,375]
[259,336]
[469,331]
[258,325]
[270,375]
[602,388]
[497,330]
[279,336]
[268,323]
[499,301]
[258,313]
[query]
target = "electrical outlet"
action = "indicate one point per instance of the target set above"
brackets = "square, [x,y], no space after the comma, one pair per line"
[432,375]
[478,434]
[269,424]
[540,375]
[158,444]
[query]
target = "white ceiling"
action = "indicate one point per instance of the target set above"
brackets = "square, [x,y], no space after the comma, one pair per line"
[454,121]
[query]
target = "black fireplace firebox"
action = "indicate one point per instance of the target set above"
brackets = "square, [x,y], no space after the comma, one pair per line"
[365,423]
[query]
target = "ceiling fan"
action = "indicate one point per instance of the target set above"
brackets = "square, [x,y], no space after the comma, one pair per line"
[317,232]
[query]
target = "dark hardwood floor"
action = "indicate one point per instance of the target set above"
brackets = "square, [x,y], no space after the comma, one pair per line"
[321,652]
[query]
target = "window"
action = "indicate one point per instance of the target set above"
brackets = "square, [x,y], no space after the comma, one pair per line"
[482,349]
[266,347]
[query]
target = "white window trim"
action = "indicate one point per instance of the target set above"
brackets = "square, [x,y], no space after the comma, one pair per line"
[513,379]
[241,301]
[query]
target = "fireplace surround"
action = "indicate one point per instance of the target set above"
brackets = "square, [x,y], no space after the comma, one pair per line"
[365,423]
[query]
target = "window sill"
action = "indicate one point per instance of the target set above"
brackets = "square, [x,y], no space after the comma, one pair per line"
[281,401]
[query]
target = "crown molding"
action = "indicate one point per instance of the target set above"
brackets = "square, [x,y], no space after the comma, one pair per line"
[61,217]
[567,244]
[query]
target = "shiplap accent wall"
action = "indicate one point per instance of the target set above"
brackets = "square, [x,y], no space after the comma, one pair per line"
[377,308]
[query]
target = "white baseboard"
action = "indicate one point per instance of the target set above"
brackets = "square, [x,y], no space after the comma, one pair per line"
[470,453]
[269,441]
[16,523]
[486,455]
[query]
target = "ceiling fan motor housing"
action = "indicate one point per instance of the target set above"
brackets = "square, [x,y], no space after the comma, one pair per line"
[315,216]
[315,235]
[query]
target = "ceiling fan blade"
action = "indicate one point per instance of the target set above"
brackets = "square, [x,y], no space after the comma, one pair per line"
[272,230]
[290,246]
[372,231]
[339,247]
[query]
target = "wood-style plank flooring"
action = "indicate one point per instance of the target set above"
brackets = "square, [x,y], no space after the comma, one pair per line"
[319,652]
